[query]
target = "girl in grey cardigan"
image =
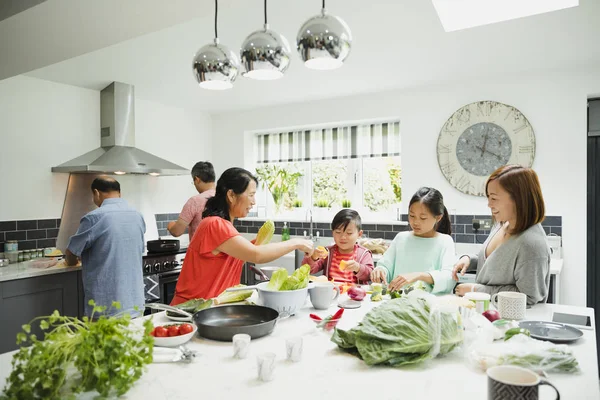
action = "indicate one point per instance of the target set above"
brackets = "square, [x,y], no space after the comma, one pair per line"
[516,256]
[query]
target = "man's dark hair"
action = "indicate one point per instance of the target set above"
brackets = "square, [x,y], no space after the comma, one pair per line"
[106,184]
[204,171]
[344,217]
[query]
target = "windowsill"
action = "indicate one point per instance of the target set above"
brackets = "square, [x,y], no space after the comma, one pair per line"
[320,220]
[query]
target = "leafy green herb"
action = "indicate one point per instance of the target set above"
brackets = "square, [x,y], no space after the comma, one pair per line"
[107,352]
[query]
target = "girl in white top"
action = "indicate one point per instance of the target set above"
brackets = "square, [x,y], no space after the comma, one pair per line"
[424,254]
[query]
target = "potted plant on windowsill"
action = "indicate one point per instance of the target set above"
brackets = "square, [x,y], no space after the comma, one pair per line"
[282,182]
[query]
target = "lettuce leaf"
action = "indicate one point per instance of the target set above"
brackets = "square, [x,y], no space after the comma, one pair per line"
[281,281]
[277,279]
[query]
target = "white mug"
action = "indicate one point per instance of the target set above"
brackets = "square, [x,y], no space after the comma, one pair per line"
[480,299]
[510,305]
[323,294]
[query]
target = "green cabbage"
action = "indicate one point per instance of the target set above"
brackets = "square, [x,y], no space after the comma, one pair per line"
[281,281]
[399,332]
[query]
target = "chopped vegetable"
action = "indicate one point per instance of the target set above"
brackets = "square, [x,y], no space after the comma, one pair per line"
[376,297]
[233,297]
[315,317]
[265,233]
[343,265]
[104,354]
[491,315]
[329,322]
[399,332]
[357,293]
[516,331]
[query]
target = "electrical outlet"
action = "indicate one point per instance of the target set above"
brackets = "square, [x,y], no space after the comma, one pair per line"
[482,224]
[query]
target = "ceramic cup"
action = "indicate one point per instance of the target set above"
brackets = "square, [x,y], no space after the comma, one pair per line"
[481,300]
[266,366]
[241,345]
[323,294]
[509,382]
[510,305]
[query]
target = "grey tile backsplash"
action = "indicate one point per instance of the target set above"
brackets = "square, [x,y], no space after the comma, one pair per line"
[35,234]
[31,234]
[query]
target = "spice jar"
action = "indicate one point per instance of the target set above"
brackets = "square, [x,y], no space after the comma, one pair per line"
[27,255]
[21,256]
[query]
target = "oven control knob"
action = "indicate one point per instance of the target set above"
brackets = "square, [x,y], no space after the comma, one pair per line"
[147,268]
[166,265]
[156,267]
[174,264]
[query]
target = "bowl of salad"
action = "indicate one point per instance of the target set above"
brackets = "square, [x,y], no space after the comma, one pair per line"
[171,335]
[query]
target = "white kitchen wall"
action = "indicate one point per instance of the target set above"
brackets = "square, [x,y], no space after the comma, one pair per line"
[554,102]
[43,124]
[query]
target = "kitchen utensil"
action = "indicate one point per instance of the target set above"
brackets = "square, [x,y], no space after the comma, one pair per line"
[173,341]
[166,355]
[185,316]
[222,323]
[510,305]
[348,303]
[322,294]
[551,331]
[267,272]
[509,382]
[285,302]
[162,245]
[259,273]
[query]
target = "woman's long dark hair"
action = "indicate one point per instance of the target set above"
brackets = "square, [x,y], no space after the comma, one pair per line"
[236,179]
[434,201]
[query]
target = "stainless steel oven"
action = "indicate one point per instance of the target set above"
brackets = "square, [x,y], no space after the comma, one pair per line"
[161,272]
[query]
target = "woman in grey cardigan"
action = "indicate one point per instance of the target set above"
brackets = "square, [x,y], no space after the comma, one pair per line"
[516,256]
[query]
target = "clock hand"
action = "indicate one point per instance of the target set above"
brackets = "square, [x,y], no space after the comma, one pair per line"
[487,151]
[484,142]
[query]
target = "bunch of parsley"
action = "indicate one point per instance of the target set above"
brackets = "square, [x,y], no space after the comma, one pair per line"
[105,354]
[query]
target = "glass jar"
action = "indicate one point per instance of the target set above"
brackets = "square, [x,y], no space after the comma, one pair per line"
[21,256]
[27,255]
[39,253]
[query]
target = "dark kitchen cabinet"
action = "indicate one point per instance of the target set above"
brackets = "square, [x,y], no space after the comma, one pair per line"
[22,300]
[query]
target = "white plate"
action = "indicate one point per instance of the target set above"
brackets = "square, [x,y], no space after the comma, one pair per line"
[172,341]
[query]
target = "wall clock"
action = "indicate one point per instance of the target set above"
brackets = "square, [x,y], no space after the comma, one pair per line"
[478,139]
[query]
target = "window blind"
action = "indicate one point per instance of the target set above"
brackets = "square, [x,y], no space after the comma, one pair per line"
[352,141]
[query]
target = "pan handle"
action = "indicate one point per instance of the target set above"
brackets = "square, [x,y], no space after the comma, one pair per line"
[241,288]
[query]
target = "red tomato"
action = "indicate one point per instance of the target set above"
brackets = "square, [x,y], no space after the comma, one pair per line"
[185,329]
[152,332]
[161,331]
[173,330]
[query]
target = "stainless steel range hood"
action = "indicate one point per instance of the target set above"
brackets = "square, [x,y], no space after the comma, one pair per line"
[117,153]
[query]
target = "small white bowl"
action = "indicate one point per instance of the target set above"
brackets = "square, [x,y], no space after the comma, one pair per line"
[173,341]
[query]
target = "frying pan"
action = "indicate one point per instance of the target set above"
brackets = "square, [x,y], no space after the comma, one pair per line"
[221,323]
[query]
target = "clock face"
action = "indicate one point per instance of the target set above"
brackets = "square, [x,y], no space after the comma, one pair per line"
[478,139]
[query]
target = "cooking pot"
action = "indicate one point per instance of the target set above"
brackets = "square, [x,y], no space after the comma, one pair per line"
[162,245]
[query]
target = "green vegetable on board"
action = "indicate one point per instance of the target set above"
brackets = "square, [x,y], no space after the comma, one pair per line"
[516,331]
[78,355]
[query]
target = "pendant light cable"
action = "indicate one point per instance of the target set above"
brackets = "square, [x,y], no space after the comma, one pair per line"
[323,3]
[265,12]
[216,12]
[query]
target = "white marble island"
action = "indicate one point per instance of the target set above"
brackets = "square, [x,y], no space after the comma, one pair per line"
[325,372]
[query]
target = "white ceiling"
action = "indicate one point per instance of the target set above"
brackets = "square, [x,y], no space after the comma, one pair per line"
[397,44]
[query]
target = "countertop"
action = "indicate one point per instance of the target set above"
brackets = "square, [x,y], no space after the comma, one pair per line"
[24,270]
[216,374]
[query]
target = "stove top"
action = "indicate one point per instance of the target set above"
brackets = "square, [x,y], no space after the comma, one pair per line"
[158,263]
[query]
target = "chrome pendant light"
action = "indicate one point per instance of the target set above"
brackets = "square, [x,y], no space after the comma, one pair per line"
[215,66]
[324,41]
[265,54]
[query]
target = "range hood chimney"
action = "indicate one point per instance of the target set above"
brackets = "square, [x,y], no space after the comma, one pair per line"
[118,154]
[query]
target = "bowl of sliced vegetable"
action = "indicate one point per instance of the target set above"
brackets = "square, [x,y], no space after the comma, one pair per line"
[170,335]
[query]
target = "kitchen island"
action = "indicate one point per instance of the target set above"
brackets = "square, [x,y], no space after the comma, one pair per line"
[325,372]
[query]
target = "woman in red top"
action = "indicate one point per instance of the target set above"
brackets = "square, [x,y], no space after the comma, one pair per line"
[216,255]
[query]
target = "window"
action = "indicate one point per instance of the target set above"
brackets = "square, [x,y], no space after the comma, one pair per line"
[356,166]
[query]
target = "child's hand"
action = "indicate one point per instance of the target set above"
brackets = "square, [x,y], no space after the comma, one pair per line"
[319,252]
[352,265]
